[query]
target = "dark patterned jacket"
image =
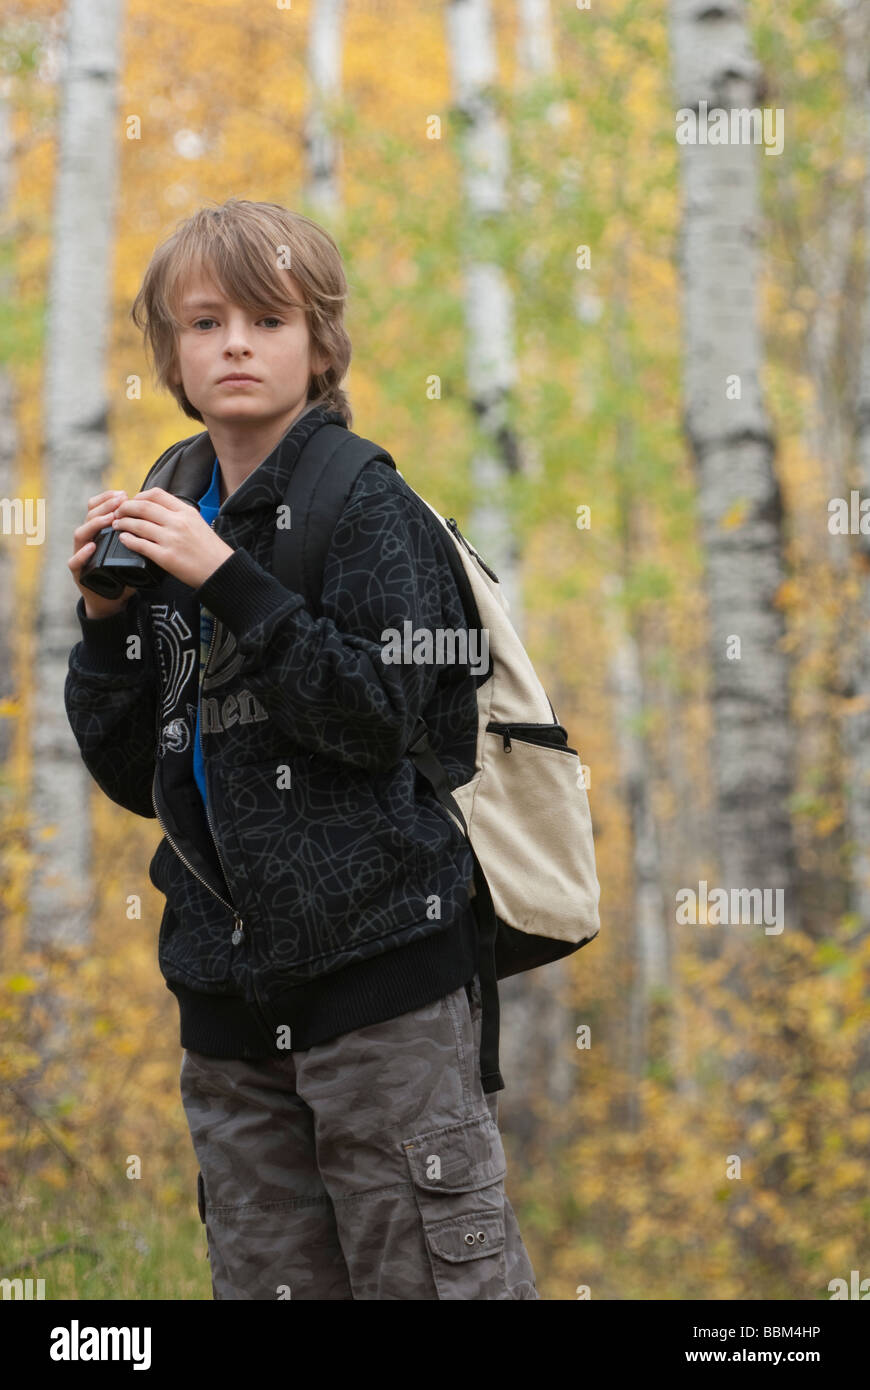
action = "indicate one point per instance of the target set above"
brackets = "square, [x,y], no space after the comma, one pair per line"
[326,888]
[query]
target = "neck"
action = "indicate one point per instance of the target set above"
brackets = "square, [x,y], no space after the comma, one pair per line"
[242,446]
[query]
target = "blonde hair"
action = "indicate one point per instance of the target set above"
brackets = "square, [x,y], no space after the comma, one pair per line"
[250,249]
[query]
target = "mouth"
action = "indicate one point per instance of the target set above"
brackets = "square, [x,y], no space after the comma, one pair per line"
[236,377]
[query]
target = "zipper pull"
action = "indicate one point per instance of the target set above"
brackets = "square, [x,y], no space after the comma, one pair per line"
[238,933]
[506,736]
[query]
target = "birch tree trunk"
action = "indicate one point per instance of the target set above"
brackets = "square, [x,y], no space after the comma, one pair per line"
[741,524]
[732,441]
[536,1036]
[76,454]
[535,56]
[651,989]
[324,75]
[491,365]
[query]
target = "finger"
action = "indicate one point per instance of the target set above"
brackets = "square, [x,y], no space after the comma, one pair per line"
[76,561]
[166,499]
[107,510]
[141,526]
[110,499]
[102,515]
[140,530]
[140,506]
[101,496]
[141,544]
[91,526]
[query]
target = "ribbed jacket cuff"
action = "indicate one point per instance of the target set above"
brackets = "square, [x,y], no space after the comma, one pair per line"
[103,647]
[241,594]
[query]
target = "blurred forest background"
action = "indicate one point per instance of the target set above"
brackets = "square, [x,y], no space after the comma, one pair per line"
[554,306]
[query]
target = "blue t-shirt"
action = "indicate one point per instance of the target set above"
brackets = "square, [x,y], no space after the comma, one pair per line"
[209,506]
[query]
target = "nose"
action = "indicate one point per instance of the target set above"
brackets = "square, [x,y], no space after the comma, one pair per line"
[236,343]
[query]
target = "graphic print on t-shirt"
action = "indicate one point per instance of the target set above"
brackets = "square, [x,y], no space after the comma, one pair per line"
[226,659]
[175,655]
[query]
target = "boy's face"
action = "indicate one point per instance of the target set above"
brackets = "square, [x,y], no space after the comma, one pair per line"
[218,339]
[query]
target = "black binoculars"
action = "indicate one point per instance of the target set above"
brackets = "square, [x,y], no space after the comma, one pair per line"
[112,567]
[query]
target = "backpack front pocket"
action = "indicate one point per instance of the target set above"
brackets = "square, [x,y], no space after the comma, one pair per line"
[532,831]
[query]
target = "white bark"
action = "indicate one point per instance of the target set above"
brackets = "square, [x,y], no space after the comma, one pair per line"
[324,74]
[536,1036]
[76,453]
[535,55]
[491,363]
[740,511]
[732,440]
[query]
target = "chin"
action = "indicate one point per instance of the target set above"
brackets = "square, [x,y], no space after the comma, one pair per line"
[240,410]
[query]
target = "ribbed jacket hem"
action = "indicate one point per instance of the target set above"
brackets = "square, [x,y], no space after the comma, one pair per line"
[242,594]
[370,992]
[103,647]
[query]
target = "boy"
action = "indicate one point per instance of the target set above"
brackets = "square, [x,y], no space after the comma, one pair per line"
[330,1020]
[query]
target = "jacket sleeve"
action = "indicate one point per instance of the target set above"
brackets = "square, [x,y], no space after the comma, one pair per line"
[325,680]
[110,701]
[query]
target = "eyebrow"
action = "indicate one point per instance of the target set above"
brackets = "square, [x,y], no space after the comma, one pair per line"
[189,306]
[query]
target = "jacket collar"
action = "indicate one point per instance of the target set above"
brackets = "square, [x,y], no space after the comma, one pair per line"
[186,469]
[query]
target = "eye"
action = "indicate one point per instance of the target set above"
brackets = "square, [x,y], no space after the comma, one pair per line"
[272,318]
[197,322]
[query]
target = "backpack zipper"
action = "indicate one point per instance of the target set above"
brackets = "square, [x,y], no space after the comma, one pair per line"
[548,735]
[451,523]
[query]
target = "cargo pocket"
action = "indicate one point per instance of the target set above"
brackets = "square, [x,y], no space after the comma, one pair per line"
[458,1175]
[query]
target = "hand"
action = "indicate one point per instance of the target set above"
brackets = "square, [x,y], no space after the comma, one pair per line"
[101,509]
[172,534]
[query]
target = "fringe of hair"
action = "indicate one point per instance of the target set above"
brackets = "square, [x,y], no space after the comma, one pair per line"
[250,250]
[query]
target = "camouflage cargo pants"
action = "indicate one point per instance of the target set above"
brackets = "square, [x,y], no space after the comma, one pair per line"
[367,1167]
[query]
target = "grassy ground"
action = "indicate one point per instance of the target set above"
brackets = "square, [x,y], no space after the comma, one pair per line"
[116,1246]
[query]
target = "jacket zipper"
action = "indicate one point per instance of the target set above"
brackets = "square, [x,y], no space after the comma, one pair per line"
[238,927]
[238,921]
[238,924]
[237,933]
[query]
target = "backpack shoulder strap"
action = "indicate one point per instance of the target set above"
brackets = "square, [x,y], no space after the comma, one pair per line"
[320,484]
[175,451]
